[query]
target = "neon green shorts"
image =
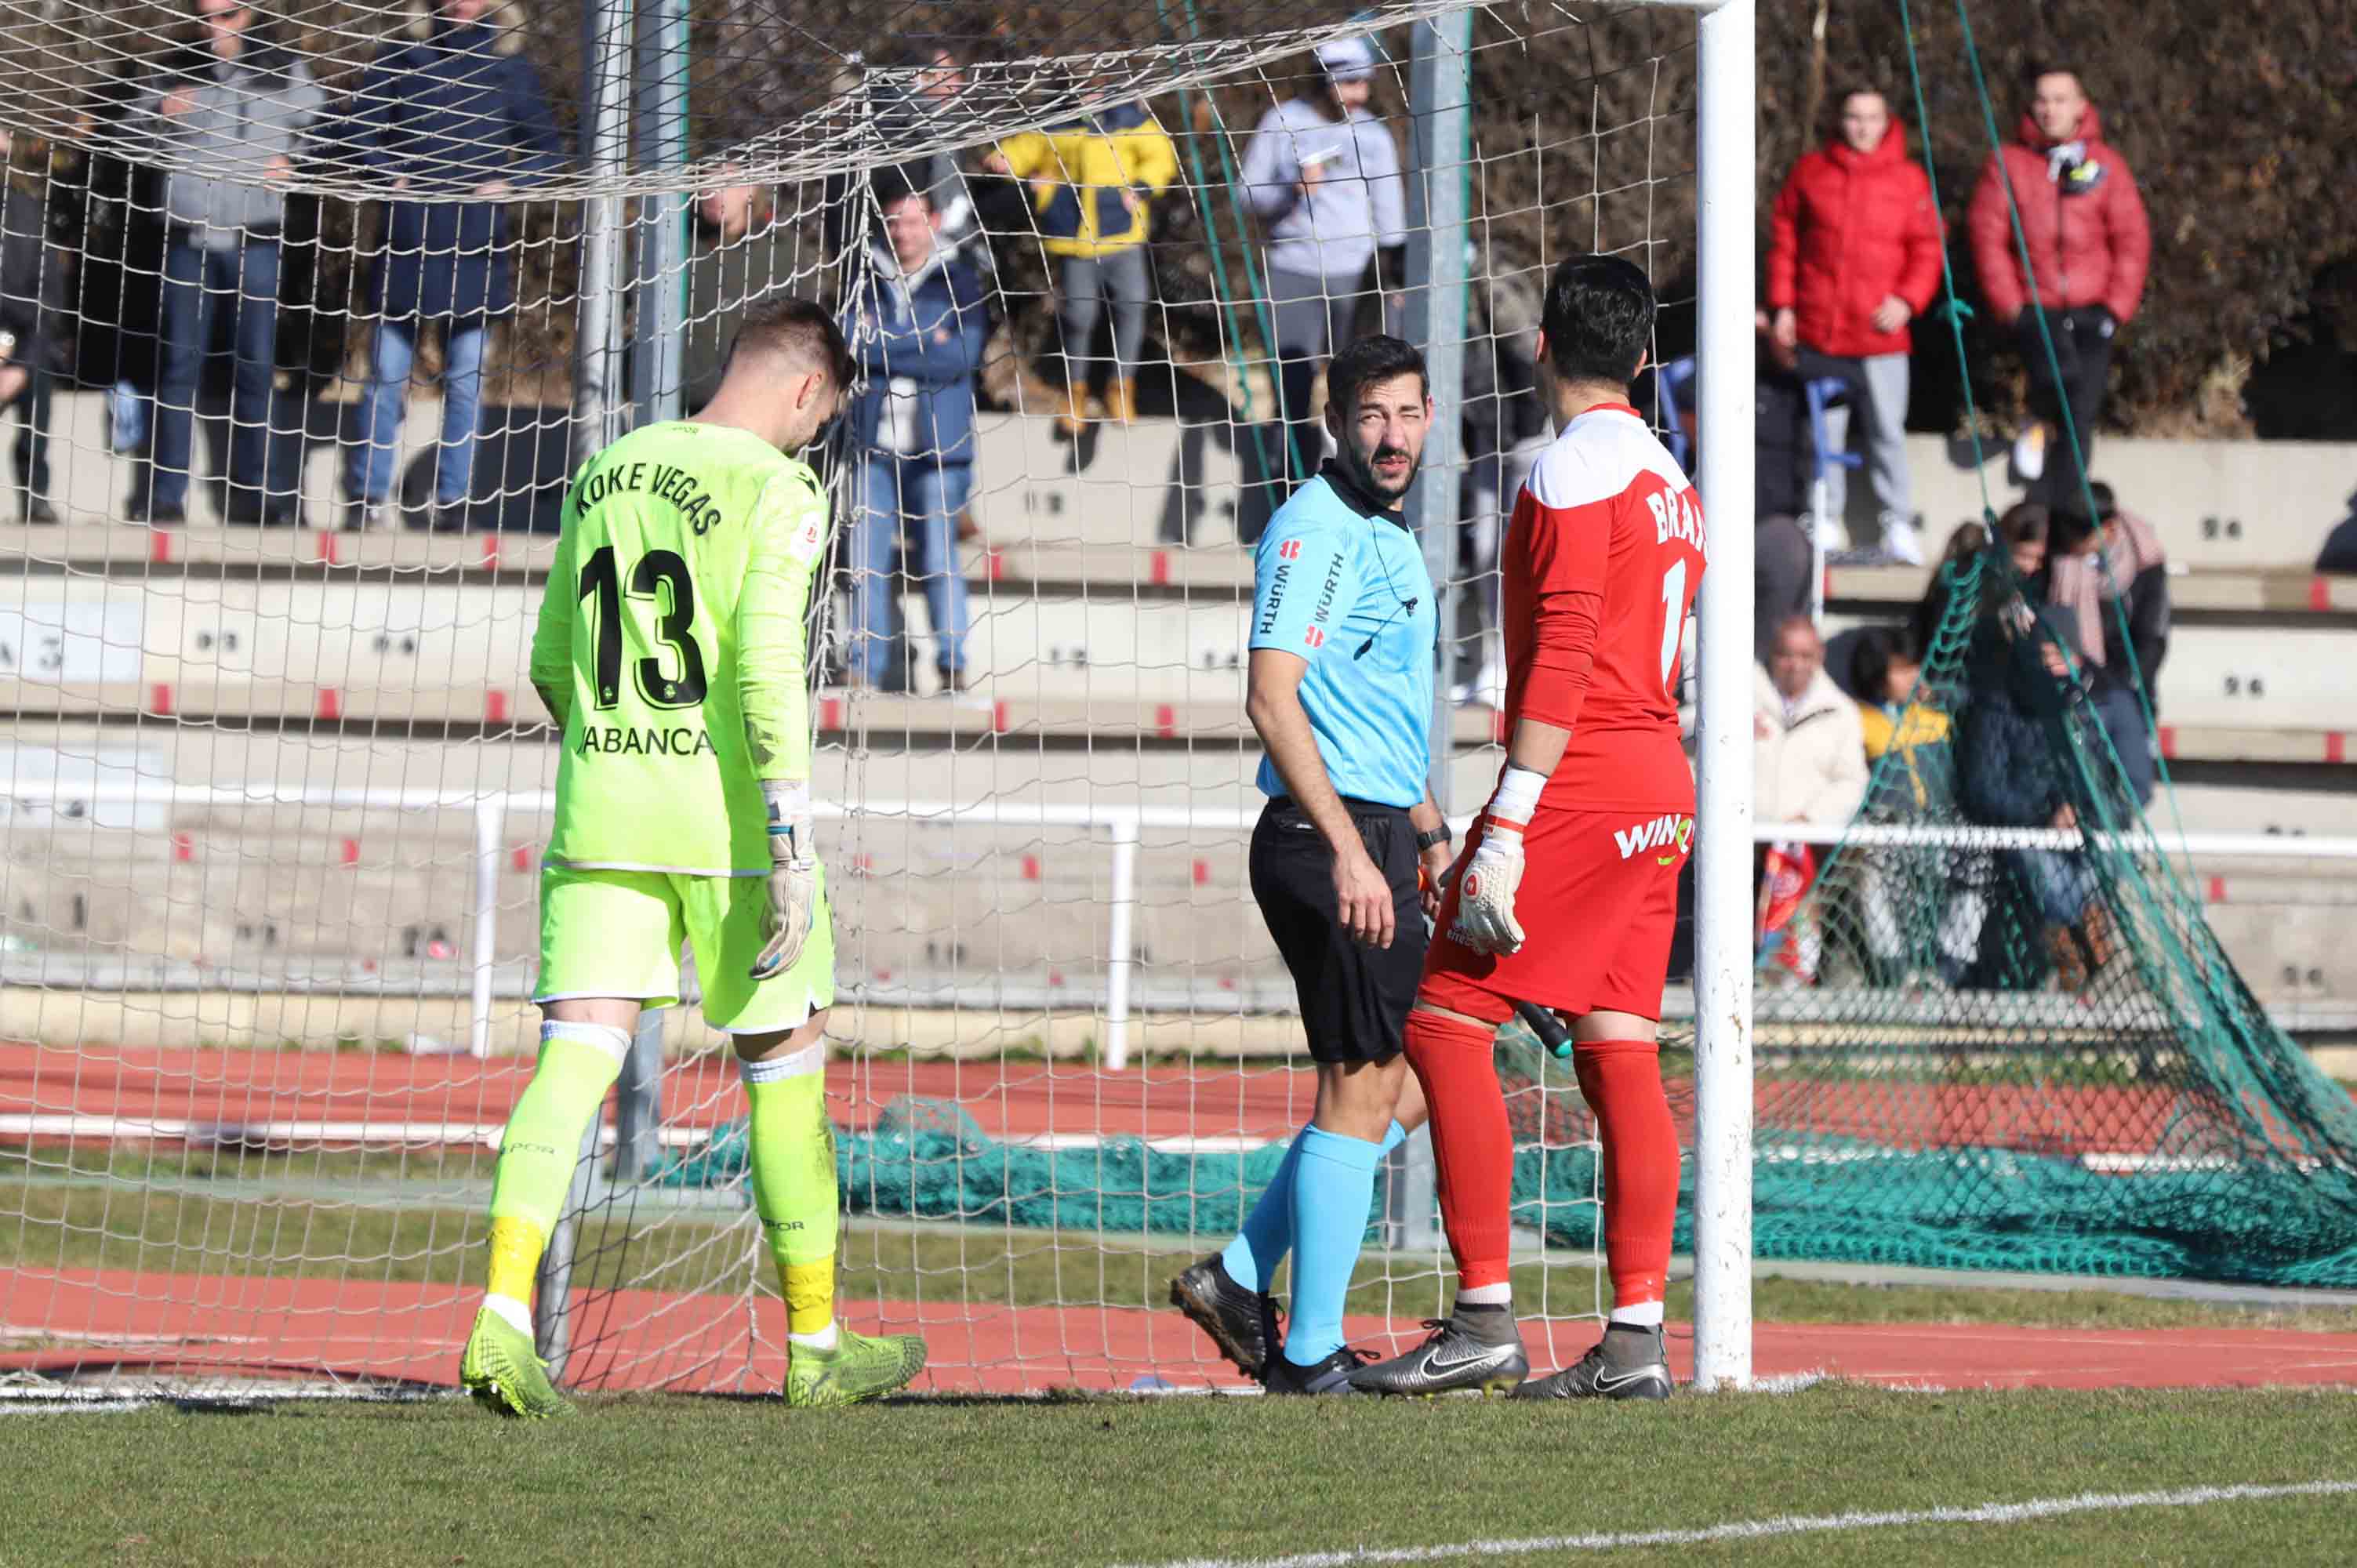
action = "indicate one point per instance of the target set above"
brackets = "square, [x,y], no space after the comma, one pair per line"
[618,933]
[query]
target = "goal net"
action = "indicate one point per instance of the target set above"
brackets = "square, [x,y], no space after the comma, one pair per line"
[1996,1032]
[274,781]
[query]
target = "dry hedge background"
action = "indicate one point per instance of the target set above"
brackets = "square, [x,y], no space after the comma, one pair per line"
[2238,122]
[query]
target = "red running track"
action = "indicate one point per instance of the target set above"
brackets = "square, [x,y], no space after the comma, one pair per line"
[246,1328]
[74,1093]
[237,1087]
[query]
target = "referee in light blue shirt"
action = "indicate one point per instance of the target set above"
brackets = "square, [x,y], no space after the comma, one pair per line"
[1344,634]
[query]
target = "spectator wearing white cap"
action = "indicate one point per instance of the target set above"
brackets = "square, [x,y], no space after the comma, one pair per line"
[1324,175]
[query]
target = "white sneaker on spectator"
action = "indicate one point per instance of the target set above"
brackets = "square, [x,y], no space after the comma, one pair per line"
[1829,533]
[1900,541]
[2029,451]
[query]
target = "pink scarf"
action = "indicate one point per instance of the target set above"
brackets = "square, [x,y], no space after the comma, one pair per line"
[2083,584]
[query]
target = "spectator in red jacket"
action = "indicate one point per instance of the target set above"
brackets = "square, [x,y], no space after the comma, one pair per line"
[1853,258]
[2089,243]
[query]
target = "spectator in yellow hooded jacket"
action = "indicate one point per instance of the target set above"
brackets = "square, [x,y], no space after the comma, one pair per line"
[1094,180]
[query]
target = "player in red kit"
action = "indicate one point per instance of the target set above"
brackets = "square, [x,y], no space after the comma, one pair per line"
[1567,890]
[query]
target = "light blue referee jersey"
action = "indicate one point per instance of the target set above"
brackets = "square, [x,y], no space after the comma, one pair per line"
[1339,580]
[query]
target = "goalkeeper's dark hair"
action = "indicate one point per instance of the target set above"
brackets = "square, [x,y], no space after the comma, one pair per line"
[1367,360]
[797,331]
[1599,319]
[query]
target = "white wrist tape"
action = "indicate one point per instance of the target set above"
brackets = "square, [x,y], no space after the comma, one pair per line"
[789,803]
[789,807]
[1517,800]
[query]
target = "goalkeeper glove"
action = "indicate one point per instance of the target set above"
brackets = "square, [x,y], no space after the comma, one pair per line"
[1485,888]
[793,877]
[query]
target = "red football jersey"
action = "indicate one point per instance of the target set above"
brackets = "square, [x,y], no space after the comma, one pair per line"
[1606,511]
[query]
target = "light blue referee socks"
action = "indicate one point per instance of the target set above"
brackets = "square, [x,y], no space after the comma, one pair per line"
[1252,1258]
[1332,1187]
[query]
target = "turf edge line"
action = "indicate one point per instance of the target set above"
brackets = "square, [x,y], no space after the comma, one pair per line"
[1787,1524]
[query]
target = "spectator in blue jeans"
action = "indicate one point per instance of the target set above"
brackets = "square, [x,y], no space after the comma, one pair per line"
[457,112]
[236,100]
[917,327]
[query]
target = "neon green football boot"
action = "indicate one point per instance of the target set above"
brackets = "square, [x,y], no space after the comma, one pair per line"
[504,1372]
[858,1367]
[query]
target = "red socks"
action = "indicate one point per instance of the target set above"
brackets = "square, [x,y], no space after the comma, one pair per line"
[1472,1147]
[1622,1082]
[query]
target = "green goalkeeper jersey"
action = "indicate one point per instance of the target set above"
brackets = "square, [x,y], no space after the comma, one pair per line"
[672,646]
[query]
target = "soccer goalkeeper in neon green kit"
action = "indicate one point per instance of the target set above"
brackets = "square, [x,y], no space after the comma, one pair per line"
[670,651]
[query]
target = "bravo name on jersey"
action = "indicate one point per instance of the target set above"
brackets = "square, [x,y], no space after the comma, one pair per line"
[671,645]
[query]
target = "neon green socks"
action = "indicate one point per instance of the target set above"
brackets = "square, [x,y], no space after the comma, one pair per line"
[578,1063]
[794,1183]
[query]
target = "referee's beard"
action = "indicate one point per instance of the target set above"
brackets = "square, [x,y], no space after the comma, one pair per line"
[1363,470]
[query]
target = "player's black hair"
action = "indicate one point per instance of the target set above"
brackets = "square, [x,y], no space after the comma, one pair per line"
[1599,319]
[1370,359]
[800,330]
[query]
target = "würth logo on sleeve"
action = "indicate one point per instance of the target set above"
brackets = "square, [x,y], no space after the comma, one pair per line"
[1289,551]
[1315,637]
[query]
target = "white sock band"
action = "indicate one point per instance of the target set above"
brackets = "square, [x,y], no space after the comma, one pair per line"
[614,1042]
[810,1058]
[515,1314]
[1499,1294]
[1638,1314]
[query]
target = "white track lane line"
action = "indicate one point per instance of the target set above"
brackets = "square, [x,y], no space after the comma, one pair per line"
[1787,1524]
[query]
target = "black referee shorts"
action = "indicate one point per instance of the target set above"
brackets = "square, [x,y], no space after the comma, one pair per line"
[1354,999]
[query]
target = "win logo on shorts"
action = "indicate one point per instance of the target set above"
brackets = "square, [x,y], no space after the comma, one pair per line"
[1673,833]
[1289,551]
[1315,637]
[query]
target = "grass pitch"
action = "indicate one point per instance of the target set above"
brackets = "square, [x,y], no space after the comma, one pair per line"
[1102,1481]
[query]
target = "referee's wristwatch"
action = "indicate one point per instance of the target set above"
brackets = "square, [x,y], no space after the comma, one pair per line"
[1438,836]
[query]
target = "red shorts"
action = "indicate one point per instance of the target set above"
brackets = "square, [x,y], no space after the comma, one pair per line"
[1598,904]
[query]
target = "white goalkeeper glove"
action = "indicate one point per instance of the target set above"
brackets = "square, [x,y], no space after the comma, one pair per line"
[1485,890]
[794,879]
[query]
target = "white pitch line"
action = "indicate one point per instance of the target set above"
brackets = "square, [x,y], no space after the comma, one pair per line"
[1787,1524]
[86,1407]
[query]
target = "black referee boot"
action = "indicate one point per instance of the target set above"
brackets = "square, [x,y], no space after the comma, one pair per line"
[1331,1376]
[1241,1322]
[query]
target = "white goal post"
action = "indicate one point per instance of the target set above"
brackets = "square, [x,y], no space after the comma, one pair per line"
[1726,75]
